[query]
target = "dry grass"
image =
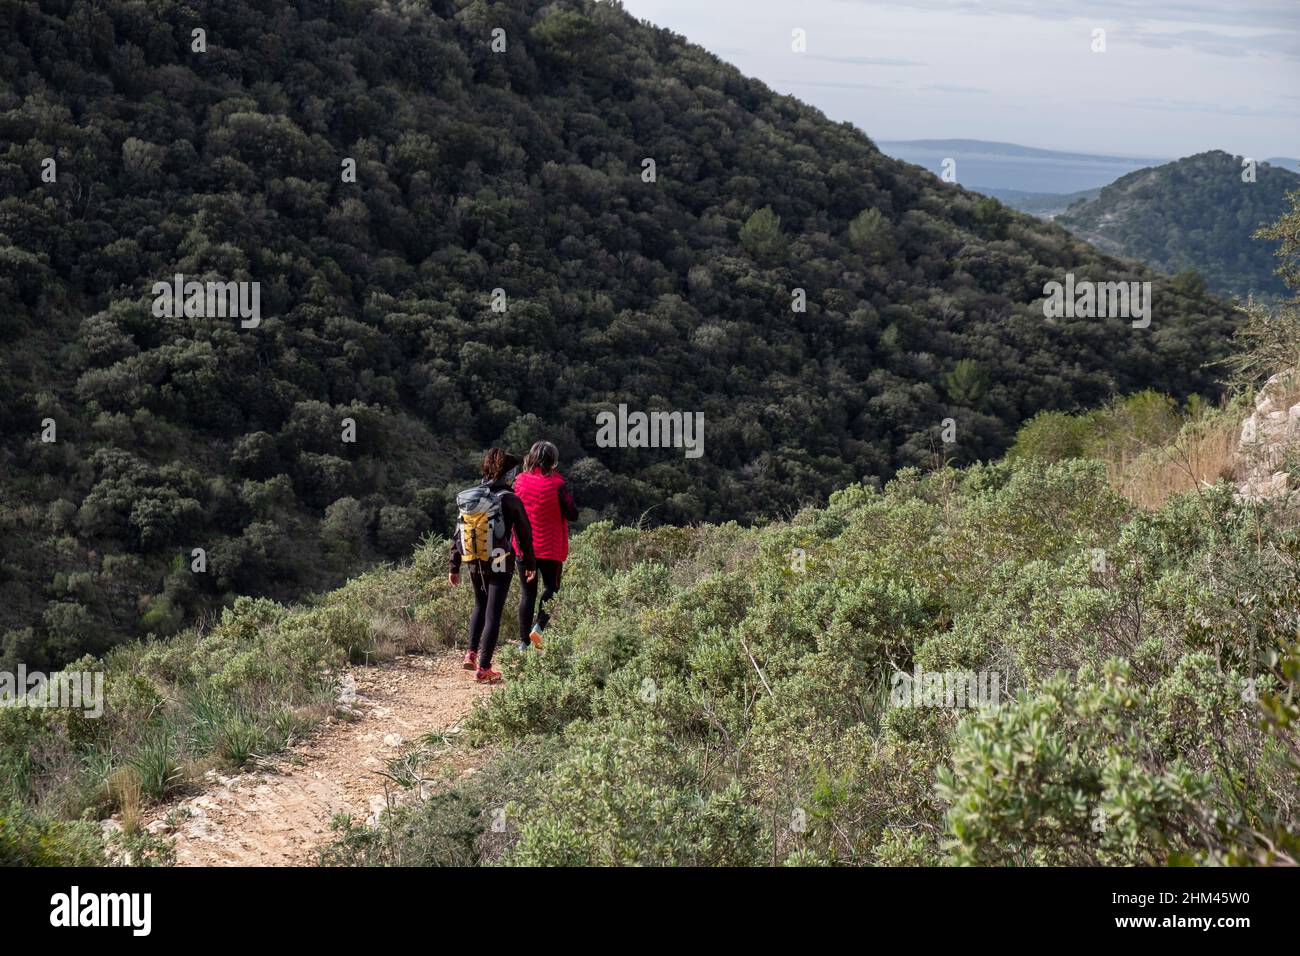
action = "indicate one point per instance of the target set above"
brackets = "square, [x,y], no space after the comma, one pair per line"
[388,637]
[1202,454]
[1205,450]
[124,789]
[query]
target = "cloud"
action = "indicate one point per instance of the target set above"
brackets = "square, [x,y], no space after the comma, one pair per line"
[834,84]
[1276,23]
[1222,44]
[954,88]
[1184,106]
[862,60]
[897,86]
[1276,15]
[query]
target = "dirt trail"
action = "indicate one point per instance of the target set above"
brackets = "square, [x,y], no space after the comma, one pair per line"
[280,815]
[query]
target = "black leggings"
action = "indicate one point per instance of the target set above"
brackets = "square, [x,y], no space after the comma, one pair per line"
[548,573]
[490,592]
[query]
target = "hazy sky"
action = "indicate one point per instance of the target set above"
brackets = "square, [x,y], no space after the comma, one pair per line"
[1177,77]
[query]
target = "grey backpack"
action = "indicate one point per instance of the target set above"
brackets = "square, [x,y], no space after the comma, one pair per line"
[481,528]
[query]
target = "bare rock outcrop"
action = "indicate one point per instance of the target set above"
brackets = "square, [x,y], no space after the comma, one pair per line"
[1270,440]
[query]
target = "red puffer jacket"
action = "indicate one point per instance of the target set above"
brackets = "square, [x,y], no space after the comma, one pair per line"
[550,508]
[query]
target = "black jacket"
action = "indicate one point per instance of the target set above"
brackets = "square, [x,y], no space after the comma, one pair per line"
[516,521]
[567,506]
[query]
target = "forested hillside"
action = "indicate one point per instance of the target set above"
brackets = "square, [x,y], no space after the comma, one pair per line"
[1196,213]
[135,148]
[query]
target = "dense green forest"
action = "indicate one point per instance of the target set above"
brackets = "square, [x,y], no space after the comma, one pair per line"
[226,155]
[1195,213]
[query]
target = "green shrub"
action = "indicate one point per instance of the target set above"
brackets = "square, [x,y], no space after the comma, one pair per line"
[157,761]
[455,825]
[29,840]
[629,798]
[1052,436]
[1099,770]
[239,739]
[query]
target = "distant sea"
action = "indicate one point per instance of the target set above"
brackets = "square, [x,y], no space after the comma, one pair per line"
[982,165]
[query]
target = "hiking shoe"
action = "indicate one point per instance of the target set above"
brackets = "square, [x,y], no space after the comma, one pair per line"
[487,676]
[535,636]
[471,661]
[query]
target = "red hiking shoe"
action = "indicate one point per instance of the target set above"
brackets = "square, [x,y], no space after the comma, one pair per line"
[471,661]
[487,676]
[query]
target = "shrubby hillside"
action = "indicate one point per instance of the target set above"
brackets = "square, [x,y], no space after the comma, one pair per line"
[476,170]
[707,702]
[722,695]
[1194,213]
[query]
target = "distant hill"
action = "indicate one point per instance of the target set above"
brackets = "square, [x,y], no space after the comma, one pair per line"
[1192,213]
[991,167]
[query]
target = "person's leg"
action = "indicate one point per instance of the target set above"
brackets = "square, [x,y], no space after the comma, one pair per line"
[527,604]
[480,610]
[498,588]
[549,572]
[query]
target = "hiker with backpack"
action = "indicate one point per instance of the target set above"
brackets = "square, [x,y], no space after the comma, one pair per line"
[490,516]
[550,508]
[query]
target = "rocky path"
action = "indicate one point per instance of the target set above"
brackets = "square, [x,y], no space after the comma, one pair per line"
[279,815]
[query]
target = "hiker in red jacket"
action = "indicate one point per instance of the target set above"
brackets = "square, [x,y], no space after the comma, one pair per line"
[550,508]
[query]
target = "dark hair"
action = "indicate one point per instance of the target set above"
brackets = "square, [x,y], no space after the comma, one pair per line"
[496,463]
[542,455]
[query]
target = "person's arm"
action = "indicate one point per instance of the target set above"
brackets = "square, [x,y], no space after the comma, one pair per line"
[567,506]
[523,532]
[453,562]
